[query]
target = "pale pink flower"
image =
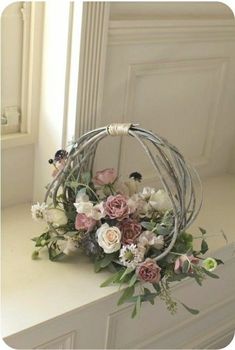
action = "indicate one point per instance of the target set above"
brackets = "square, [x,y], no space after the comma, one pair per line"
[116,207]
[85,223]
[105,177]
[180,261]
[131,230]
[149,271]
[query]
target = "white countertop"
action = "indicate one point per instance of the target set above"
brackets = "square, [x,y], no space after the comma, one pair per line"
[34,291]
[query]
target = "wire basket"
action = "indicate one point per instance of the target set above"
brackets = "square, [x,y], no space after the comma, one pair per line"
[177,177]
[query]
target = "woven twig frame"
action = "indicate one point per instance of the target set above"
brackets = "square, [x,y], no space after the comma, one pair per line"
[177,177]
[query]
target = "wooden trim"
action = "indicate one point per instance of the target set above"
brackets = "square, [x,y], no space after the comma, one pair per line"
[92,63]
[152,31]
[33,14]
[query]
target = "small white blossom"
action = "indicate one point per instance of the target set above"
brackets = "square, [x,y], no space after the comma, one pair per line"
[160,201]
[147,192]
[148,238]
[39,211]
[131,255]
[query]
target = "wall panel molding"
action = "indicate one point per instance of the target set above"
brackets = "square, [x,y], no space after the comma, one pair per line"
[92,64]
[66,341]
[127,32]
[217,66]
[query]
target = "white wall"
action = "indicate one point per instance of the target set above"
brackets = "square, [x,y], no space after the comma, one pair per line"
[17,175]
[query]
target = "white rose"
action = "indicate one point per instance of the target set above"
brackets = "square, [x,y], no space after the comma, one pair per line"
[71,247]
[56,216]
[160,201]
[147,192]
[109,238]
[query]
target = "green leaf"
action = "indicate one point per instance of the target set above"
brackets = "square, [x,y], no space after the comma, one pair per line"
[106,261]
[157,287]
[128,292]
[219,262]
[162,230]
[197,279]
[133,280]
[127,271]
[138,305]
[212,275]
[71,233]
[86,177]
[113,279]
[203,231]
[204,247]
[134,312]
[148,225]
[189,309]
[186,266]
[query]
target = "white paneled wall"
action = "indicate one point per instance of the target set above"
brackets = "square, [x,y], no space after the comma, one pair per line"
[172,69]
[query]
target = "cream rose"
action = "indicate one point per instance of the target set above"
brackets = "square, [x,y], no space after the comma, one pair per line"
[109,238]
[160,201]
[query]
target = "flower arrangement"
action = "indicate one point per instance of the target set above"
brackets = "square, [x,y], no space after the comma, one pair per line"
[123,227]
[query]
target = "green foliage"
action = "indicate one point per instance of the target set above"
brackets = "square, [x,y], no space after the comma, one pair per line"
[148,225]
[113,279]
[128,293]
[183,243]
[204,247]
[189,309]
[102,263]
[203,231]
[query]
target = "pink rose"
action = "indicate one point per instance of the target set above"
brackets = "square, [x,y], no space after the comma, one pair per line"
[105,177]
[131,230]
[116,207]
[149,271]
[180,261]
[82,222]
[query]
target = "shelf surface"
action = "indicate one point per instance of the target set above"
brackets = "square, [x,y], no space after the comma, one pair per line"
[34,291]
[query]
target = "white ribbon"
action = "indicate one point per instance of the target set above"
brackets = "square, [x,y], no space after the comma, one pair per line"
[118,129]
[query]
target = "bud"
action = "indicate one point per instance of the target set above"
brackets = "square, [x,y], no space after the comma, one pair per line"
[209,264]
[35,254]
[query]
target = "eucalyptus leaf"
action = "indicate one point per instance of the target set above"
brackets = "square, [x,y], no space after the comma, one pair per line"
[162,230]
[132,280]
[127,271]
[128,292]
[204,247]
[157,287]
[189,309]
[186,266]
[212,275]
[148,225]
[138,305]
[219,262]
[113,279]
[134,312]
